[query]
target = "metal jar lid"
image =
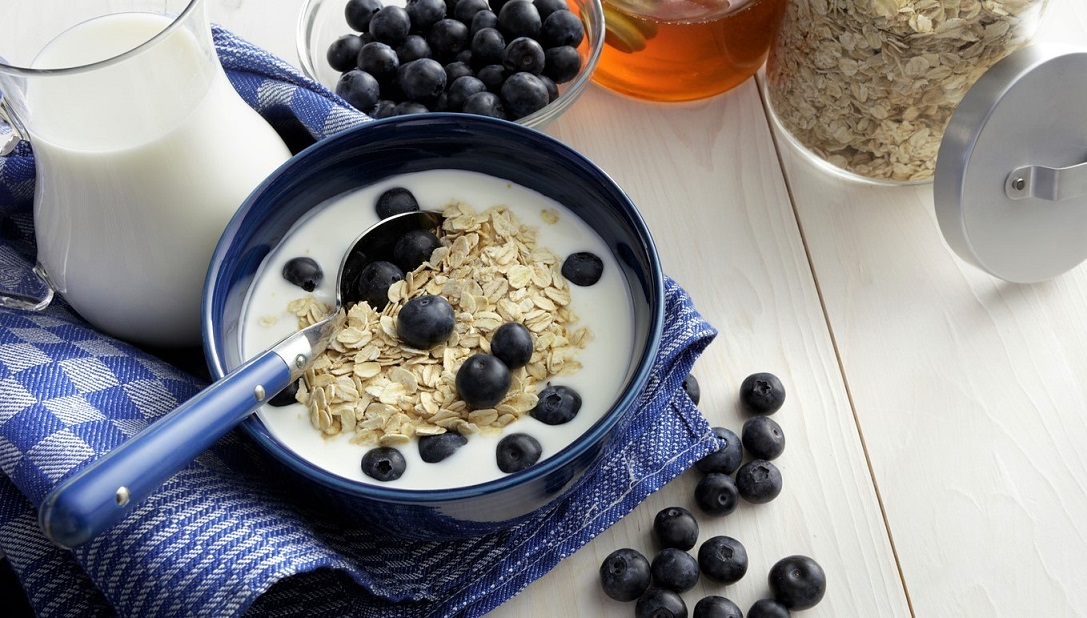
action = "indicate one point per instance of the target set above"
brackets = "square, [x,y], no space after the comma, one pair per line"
[1010,185]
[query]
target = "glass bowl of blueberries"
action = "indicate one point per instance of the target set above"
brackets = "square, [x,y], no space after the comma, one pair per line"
[521,60]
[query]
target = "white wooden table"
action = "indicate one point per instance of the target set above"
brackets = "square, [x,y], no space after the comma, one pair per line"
[935,416]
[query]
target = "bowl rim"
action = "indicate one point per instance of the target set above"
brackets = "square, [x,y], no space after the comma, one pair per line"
[594,31]
[323,149]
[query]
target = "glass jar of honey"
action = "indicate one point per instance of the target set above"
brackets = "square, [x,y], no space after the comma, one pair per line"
[683,50]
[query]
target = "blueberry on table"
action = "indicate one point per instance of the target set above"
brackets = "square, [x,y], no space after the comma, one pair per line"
[758,481]
[360,89]
[728,456]
[304,272]
[674,569]
[414,248]
[485,104]
[561,64]
[624,574]
[768,608]
[383,464]
[797,582]
[482,381]
[425,13]
[395,201]
[716,494]
[723,559]
[582,268]
[519,18]
[523,93]
[372,284]
[433,449]
[763,438]
[660,603]
[390,25]
[715,606]
[562,28]
[675,527]
[517,452]
[422,79]
[512,344]
[380,60]
[425,321]
[523,54]
[342,54]
[691,387]
[286,396]
[359,12]
[762,393]
[556,405]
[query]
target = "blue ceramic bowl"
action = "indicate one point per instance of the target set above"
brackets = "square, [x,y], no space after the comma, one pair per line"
[383,148]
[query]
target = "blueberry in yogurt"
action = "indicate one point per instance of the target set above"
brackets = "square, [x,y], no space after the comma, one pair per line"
[482,381]
[396,201]
[512,344]
[383,464]
[557,405]
[425,321]
[304,272]
[583,268]
[517,452]
[433,449]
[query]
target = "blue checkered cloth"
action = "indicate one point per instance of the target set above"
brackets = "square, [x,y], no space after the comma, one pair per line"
[223,537]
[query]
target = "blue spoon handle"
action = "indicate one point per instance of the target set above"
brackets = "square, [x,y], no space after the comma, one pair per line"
[91,501]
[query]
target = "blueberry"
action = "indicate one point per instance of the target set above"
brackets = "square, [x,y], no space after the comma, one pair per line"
[447,38]
[583,268]
[716,607]
[523,54]
[562,28]
[660,603]
[493,75]
[390,25]
[343,53]
[762,393]
[517,452]
[485,104]
[360,89]
[465,10]
[383,109]
[557,405]
[624,574]
[481,20]
[395,201]
[723,559]
[384,464]
[462,88]
[421,79]
[552,88]
[797,582]
[728,456]
[763,438]
[379,60]
[675,527]
[482,381]
[425,13]
[488,47]
[372,284]
[674,569]
[404,108]
[413,47]
[512,344]
[359,12]
[457,70]
[433,449]
[547,7]
[523,93]
[716,494]
[414,248]
[561,64]
[286,396]
[690,386]
[768,608]
[519,18]
[425,321]
[758,481]
[304,272]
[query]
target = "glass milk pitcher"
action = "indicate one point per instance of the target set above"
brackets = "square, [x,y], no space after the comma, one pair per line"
[143,151]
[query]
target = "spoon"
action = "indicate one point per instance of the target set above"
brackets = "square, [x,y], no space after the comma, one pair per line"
[96,497]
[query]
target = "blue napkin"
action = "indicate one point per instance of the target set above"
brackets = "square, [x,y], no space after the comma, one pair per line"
[223,537]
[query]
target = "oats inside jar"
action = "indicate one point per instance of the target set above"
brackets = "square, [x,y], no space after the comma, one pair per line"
[502,248]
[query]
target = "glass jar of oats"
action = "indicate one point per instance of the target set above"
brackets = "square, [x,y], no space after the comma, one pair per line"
[867,86]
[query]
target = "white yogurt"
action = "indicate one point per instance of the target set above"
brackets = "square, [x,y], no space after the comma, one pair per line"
[141,164]
[329,230]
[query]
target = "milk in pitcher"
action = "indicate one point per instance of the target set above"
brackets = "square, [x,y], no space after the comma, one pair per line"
[133,192]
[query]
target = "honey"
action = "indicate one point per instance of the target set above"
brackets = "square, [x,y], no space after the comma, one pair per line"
[683,50]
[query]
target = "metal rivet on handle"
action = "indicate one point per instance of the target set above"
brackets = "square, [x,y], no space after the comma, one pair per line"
[122,496]
[259,393]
